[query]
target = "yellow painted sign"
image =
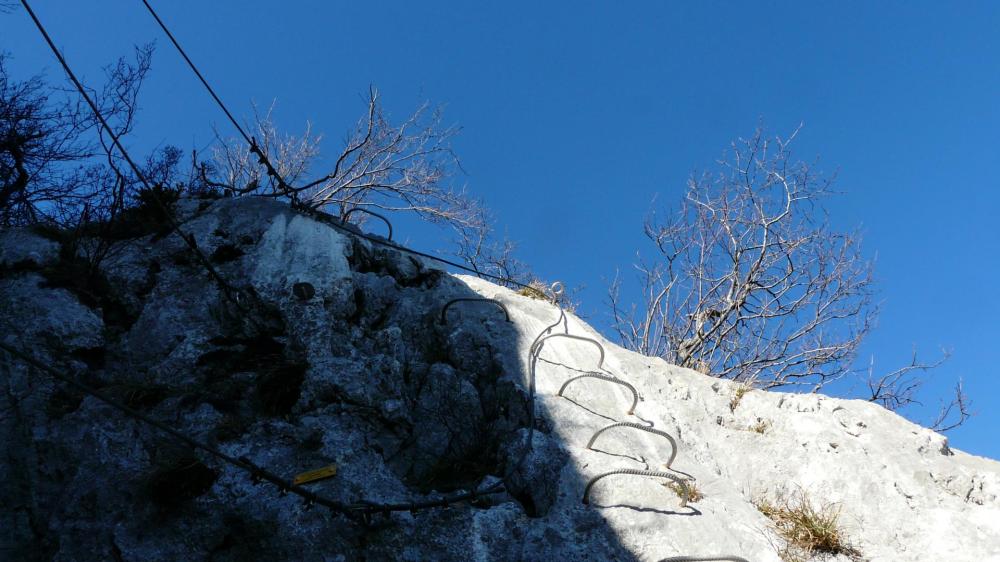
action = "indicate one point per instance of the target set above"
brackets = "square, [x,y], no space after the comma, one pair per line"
[314,475]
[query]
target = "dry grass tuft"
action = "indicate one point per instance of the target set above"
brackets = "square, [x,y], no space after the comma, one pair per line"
[808,529]
[535,290]
[688,492]
[539,290]
[739,391]
[761,426]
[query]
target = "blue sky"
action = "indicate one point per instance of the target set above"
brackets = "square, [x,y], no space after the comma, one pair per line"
[576,115]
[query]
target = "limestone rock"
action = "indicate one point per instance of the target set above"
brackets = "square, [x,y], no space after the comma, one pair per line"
[364,375]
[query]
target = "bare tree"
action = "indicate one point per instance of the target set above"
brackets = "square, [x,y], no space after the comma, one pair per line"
[751,283]
[37,136]
[403,167]
[52,164]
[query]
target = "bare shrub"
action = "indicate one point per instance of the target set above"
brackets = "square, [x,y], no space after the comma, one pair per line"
[392,167]
[750,282]
[54,166]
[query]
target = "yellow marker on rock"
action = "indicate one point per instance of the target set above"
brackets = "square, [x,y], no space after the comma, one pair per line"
[314,475]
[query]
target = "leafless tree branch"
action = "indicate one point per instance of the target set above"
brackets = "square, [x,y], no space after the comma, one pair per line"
[750,283]
[404,167]
[52,166]
[898,388]
[955,412]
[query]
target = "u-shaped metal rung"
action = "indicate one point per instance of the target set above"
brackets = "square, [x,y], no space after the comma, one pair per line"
[537,346]
[639,426]
[704,559]
[444,311]
[367,212]
[609,378]
[656,474]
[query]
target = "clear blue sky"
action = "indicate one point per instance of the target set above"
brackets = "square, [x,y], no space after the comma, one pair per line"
[576,115]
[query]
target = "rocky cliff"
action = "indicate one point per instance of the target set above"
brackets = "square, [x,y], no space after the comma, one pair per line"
[333,351]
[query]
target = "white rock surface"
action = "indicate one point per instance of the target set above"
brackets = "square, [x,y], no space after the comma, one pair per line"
[370,379]
[904,494]
[21,246]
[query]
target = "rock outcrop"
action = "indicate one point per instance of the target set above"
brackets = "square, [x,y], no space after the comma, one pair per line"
[334,351]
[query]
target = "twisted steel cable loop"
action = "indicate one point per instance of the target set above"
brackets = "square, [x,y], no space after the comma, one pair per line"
[704,559]
[635,472]
[556,290]
[537,348]
[345,216]
[533,353]
[609,378]
[673,443]
[444,310]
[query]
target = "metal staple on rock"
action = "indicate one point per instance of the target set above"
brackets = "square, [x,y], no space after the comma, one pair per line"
[444,311]
[635,472]
[257,473]
[704,559]
[333,222]
[368,212]
[537,347]
[639,426]
[609,378]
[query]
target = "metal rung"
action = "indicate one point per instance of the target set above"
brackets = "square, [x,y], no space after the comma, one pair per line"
[609,378]
[673,443]
[444,311]
[367,212]
[634,472]
[537,346]
[704,559]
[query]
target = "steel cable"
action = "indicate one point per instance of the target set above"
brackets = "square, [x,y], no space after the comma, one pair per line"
[704,559]
[198,73]
[444,310]
[332,221]
[367,212]
[256,472]
[230,291]
[673,443]
[271,171]
[233,295]
[631,471]
[609,378]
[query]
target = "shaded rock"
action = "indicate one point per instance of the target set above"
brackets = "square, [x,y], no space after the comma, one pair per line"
[363,375]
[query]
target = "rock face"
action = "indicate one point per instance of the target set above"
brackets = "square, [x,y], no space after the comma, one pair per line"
[334,351]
